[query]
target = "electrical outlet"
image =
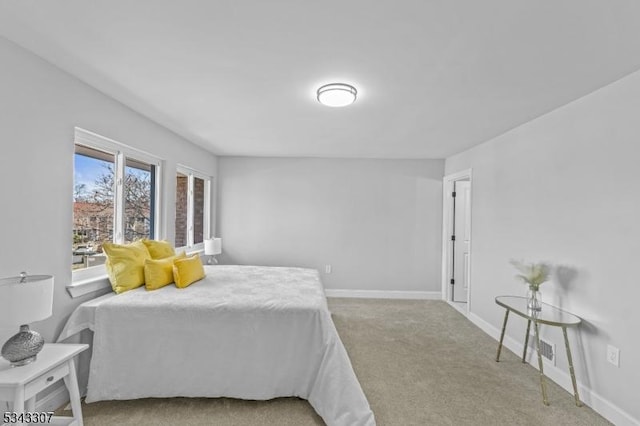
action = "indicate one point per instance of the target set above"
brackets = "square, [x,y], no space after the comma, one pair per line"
[613,355]
[327,269]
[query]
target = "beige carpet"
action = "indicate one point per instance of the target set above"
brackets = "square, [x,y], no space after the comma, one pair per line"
[419,363]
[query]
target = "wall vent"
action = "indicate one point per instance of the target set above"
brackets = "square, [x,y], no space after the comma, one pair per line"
[548,351]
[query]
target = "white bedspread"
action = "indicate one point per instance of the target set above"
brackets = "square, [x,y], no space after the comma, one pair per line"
[243,332]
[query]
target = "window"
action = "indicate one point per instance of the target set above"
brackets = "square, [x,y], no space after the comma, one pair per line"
[139,190]
[192,208]
[115,197]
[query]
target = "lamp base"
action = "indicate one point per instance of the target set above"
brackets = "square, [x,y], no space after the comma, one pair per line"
[23,347]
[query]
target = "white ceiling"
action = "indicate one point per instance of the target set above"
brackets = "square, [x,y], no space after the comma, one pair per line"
[238,77]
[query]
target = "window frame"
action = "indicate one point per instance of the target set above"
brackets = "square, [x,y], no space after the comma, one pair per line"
[192,174]
[93,278]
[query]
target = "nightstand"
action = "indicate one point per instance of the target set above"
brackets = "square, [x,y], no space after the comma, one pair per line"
[22,384]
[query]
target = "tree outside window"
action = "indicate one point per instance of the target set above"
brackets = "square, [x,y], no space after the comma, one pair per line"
[96,206]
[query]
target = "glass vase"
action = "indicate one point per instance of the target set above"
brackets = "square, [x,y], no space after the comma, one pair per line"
[534,300]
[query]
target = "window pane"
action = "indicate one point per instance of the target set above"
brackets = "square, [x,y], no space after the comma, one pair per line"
[139,182]
[93,173]
[182,188]
[198,210]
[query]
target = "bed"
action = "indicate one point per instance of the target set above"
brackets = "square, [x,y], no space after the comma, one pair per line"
[244,332]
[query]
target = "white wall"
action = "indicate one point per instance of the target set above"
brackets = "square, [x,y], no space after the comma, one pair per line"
[561,189]
[377,222]
[39,107]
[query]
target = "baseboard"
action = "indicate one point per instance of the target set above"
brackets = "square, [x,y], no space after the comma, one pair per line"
[602,406]
[384,294]
[462,309]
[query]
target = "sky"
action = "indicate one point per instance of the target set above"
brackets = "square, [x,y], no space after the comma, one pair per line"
[86,170]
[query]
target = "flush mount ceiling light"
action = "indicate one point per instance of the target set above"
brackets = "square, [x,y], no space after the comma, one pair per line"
[337,94]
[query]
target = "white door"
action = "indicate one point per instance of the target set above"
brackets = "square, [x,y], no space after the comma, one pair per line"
[461,240]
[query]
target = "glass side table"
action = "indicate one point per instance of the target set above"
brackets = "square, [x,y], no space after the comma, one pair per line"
[549,315]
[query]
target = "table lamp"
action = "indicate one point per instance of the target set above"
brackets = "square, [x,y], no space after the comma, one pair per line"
[24,299]
[212,247]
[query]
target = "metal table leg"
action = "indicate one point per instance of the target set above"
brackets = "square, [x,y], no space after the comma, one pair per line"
[526,342]
[504,327]
[543,385]
[571,370]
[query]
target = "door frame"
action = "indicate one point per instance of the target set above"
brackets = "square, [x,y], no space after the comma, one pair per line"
[447,227]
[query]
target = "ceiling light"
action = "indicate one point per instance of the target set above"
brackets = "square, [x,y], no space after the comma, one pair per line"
[337,94]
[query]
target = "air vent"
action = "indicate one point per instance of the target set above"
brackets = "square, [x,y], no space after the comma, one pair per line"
[548,351]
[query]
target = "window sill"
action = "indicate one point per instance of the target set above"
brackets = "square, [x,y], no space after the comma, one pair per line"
[86,286]
[189,251]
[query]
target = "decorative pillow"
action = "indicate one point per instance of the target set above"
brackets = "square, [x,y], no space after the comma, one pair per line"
[125,265]
[159,272]
[159,249]
[187,271]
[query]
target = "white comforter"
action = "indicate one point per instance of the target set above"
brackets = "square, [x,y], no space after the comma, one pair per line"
[243,332]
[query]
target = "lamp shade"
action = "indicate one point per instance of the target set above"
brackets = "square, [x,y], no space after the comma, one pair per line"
[213,246]
[25,302]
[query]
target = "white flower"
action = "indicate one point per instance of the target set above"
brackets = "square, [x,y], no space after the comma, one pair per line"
[533,274]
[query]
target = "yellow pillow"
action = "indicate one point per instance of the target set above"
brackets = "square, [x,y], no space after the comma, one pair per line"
[187,271]
[159,249]
[125,265]
[159,272]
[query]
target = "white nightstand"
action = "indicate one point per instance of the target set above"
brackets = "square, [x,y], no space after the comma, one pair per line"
[55,362]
